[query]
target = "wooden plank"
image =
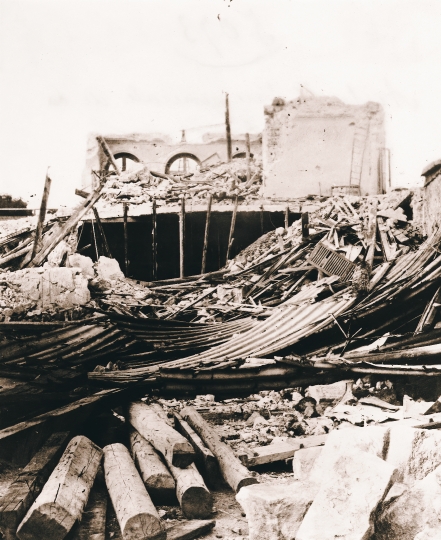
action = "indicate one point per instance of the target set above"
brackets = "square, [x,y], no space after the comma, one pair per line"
[194,498]
[235,474]
[232,227]
[182,238]
[41,216]
[371,232]
[187,530]
[64,496]
[126,240]
[205,460]
[172,445]
[154,242]
[206,233]
[136,514]
[106,248]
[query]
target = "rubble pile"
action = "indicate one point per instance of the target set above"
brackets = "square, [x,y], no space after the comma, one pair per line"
[222,181]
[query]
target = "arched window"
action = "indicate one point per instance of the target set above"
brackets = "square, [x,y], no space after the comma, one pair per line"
[183,163]
[124,160]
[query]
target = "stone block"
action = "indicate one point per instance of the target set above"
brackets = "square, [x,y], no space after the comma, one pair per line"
[304,460]
[350,492]
[330,393]
[413,452]
[275,511]
[372,440]
[77,260]
[108,269]
[416,514]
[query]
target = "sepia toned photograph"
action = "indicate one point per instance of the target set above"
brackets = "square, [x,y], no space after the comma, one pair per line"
[220,270]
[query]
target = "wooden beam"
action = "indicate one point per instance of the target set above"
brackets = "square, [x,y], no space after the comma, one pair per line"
[174,447]
[126,240]
[228,127]
[182,238]
[64,496]
[154,242]
[427,319]
[286,218]
[232,227]
[136,514]
[371,232]
[41,216]
[194,498]
[105,148]
[248,147]
[206,234]
[305,225]
[106,248]
[235,474]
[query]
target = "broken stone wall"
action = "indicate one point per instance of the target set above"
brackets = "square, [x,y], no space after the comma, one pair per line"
[311,145]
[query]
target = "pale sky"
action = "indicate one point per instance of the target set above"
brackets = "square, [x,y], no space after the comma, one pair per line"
[69,67]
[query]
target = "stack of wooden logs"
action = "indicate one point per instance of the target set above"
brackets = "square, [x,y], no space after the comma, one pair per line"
[49,499]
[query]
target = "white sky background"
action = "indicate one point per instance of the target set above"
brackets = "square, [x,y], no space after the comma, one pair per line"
[71,67]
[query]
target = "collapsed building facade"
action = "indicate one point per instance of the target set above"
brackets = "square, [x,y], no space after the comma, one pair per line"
[290,391]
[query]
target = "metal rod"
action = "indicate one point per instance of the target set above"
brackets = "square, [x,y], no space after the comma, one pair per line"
[126,240]
[228,128]
[287,217]
[232,227]
[247,142]
[42,215]
[154,243]
[107,252]
[182,238]
[207,231]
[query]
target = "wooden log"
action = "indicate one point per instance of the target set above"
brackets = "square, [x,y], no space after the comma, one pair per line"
[41,217]
[206,233]
[232,227]
[27,485]
[174,447]
[187,530]
[93,521]
[65,494]
[136,514]
[155,475]
[205,460]
[105,148]
[182,238]
[235,474]
[194,498]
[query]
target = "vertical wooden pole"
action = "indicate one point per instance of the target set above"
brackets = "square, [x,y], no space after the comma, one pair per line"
[228,127]
[126,240]
[371,233]
[105,148]
[248,145]
[42,215]
[305,225]
[287,217]
[154,243]
[207,231]
[182,238]
[261,220]
[106,248]
[232,227]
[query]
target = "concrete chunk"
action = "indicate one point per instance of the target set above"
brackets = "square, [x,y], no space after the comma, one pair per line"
[275,511]
[414,452]
[415,515]
[372,439]
[348,497]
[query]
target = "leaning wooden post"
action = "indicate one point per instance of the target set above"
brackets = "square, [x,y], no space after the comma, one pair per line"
[105,148]
[154,242]
[232,227]
[182,238]
[136,514]
[228,128]
[107,252]
[41,217]
[235,474]
[261,219]
[286,218]
[305,225]
[126,240]
[207,231]
[371,233]
[248,146]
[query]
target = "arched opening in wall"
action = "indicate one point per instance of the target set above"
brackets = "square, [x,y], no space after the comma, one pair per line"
[125,162]
[242,155]
[183,163]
